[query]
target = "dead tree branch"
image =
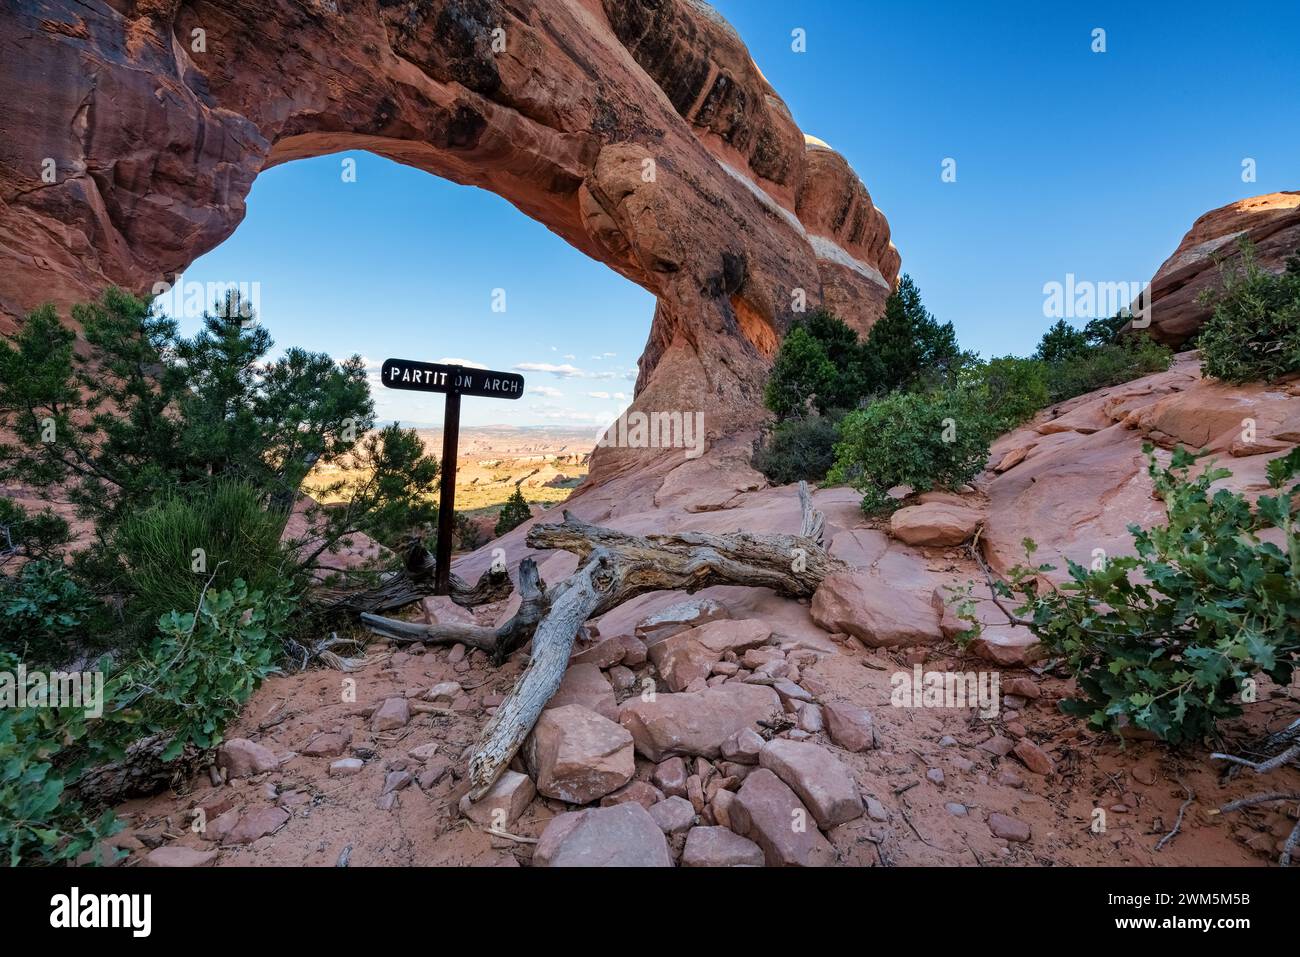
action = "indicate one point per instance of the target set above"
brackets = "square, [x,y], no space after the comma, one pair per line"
[1286,744]
[615,567]
[410,584]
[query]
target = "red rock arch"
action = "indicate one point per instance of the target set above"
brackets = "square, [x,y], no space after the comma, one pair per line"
[638,130]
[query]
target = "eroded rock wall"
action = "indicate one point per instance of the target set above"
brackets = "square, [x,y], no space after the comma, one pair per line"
[638,130]
[1271,222]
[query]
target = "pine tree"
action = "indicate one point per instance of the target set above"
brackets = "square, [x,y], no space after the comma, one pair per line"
[1061,343]
[144,414]
[908,346]
[513,514]
[801,373]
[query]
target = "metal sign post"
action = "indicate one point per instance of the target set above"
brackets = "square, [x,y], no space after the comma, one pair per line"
[453,381]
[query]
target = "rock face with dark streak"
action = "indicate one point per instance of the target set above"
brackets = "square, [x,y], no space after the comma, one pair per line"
[638,130]
[1271,221]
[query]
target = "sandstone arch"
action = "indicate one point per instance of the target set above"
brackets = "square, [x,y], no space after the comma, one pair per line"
[638,130]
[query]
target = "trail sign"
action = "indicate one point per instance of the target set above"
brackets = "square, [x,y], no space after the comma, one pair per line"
[416,376]
[453,381]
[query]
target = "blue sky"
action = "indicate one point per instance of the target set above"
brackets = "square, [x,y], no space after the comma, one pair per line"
[1067,161]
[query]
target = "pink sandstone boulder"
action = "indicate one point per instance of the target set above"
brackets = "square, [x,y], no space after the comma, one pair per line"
[503,803]
[682,658]
[1272,223]
[823,783]
[576,755]
[771,815]
[585,684]
[680,617]
[173,855]
[934,524]
[257,823]
[695,723]
[241,758]
[863,606]
[849,727]
[624,835]
[719,847]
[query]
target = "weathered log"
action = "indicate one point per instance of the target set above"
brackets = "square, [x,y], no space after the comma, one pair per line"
[552,642]
[410,584]
[140,772]
[689,561]
[618,567]
[499,642]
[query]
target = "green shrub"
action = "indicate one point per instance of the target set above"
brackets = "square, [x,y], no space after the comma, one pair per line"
[46,615]
[199,671]
[1106,365]
[39,821]
[469,535]
[226,519]
[1254,333]
[1169,639]
[143,414]
[1010,390]
[1062,343]
[513,513]
[937,440]
[25,536]
[205,664]
[798,449]
[802,375]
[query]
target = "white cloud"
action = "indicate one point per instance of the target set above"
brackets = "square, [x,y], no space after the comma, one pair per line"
[599,395]
[467,363]
[545,390]
[565,371]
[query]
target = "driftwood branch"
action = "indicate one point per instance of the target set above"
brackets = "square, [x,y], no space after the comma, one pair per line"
[410,584]
[552,642]
[500,642]
[1286,744]
[615,567]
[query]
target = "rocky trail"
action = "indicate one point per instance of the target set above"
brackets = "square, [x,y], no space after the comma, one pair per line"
[737,727]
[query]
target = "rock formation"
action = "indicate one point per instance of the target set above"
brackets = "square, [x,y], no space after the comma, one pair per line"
[640,131]
[1271,221]
[1080,476]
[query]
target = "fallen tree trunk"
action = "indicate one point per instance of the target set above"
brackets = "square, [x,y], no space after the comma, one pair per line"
[409,585]
[500,642]
[616,567]
[140,772]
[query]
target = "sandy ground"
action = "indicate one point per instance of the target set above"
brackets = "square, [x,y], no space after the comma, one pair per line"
[1141,786]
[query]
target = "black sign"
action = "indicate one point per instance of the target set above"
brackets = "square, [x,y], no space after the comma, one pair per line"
[453,382]
[418,376]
